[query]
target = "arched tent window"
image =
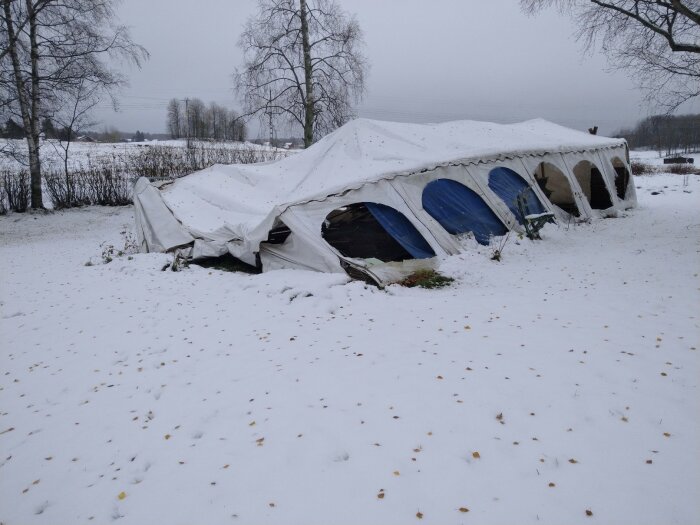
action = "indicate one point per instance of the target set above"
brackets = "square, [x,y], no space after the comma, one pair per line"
[459,210]
[593,185]
[508,185]
[556,187]
[622,178]
[369,230]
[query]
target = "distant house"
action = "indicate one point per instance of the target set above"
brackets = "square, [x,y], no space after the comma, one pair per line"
[86,138]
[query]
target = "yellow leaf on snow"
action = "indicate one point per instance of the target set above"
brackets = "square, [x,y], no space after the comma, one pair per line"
[122,495]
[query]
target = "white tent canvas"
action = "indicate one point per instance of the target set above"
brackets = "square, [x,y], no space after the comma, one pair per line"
[423,183]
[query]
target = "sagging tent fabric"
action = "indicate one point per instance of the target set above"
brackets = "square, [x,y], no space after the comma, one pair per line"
[232,209]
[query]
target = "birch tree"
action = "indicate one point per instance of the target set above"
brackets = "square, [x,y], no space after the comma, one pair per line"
[51,48]
[656,41]
[304,63]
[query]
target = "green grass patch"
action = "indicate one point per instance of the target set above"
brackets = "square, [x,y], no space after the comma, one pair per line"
[426,279]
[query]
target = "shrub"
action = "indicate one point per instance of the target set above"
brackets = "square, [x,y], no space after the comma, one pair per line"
[682,169]
[426,279]
[640,168]
[15,190]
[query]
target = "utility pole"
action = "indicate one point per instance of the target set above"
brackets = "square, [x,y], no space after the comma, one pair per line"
[187,115]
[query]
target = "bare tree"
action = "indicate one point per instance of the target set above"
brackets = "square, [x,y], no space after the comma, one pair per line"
[175,118]
[656,41]
[196,119]
[74,115]
[49,48]
[303,62]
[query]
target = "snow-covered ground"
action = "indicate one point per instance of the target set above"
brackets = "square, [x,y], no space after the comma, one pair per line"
[558,383]
[655,158]
[81,154]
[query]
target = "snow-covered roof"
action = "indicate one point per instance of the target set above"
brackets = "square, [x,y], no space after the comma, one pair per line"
[362,151]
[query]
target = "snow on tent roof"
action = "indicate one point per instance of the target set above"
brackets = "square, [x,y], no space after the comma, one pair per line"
[362,151]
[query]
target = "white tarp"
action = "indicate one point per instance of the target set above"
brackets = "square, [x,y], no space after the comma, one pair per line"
[233,208]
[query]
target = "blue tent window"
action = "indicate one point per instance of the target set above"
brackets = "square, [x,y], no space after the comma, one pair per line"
[400,228]
[370,230]
[459,210]
[508,185]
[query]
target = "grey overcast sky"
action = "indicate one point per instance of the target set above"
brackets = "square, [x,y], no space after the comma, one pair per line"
[430,61]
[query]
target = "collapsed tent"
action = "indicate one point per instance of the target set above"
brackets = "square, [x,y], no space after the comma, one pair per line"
[379,199]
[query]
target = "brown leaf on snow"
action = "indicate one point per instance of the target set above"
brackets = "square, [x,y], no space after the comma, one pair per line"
[166,436]
[260,441]
[380,495]
[419,515]
[397,473]
[589,512]
[667,434]
[573,461]
[463,509]
[552,484]
[476,455]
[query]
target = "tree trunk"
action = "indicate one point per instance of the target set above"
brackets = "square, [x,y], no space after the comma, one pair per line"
[28,108]
[33,131]
[308,75]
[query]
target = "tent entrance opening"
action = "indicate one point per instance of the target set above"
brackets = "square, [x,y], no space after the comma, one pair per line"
[593,185]
[556,188]
[368,230]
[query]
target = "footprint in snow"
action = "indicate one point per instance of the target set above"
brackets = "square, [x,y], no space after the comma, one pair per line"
[41,508]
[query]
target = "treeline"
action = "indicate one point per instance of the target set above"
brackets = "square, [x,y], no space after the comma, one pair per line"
[668,134]
[13,130]
[194,119]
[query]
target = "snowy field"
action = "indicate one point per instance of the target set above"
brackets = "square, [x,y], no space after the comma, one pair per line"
[559,386]
[82,154]
[654,158]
